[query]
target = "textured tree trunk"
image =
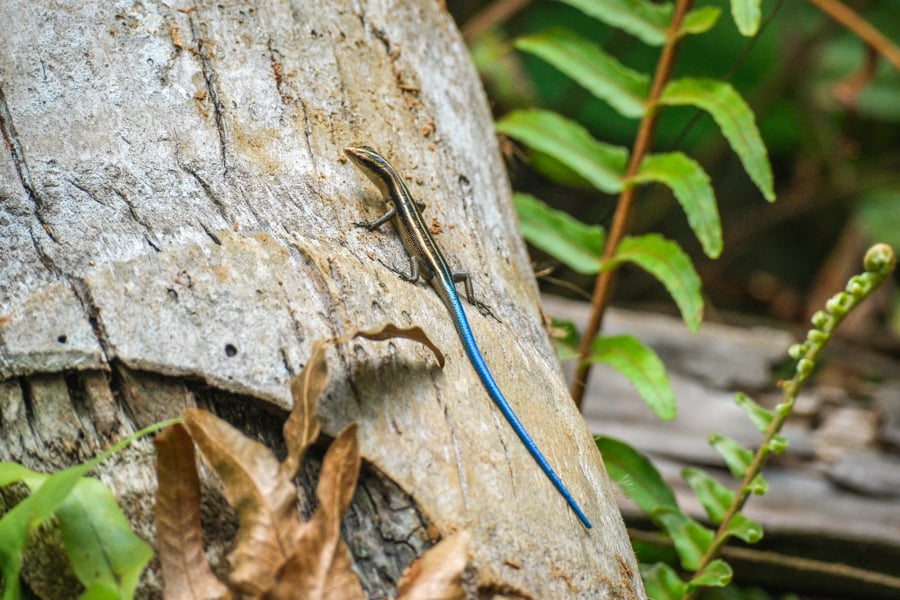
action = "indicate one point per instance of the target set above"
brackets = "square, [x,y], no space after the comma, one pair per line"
[176,228]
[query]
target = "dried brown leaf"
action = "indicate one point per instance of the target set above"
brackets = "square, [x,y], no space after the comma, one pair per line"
[436,575]
[186,573]
[264,500]
[391,331]
[302,426]
[331,579]
[320,567]
[340,471]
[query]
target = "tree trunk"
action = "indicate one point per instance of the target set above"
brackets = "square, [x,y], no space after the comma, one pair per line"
[177,228]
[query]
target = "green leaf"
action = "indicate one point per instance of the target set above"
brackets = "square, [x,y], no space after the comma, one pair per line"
[715,497]
[778,444]
[30,512]
[665,260]
[603,165]
[48,492]
[736,456]
[717,500]
[641,366]
[98,540]
[746,15]
[717,573]
[635,475]
[100,592]
[605,77]
[759,485]
[661,582]
[744,528]
[645,20]
[690,184]
[577,245]
[11,472]
[734,118]
[760,416]
[691,539]
[699,20]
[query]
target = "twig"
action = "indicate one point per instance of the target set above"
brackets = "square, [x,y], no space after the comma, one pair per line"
[844,15]
[496,12]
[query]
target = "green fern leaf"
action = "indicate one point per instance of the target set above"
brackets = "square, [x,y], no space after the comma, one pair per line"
[661,582]
[558,234]
[605,77]
[734,118]
[717,573]
[641,366]
[746,16]
[665,260]
[644,20]
[635,475]
[603,165]
[699,20]
[690,184]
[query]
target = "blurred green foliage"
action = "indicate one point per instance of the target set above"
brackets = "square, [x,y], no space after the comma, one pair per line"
[832,146]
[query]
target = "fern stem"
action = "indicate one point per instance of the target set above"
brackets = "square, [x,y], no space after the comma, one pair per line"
[622,217]
[879,262]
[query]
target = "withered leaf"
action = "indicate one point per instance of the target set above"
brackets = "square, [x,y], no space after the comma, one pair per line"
[186,573]
[306,576]
[340,471]
[302,426]
[436,575]
[320,568]
[391,331]
[264,500]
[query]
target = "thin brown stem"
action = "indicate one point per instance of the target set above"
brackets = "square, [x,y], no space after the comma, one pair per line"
[490,16]
[622,216]
[847,17]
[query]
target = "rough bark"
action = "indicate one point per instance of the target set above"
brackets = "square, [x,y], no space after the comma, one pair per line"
[176,227]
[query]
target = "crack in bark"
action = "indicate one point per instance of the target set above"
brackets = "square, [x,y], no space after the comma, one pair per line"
[11,137]
[307,132]
[212,87]
[207,189]
[83,293]
[132,211]
[210,234]
[28,404]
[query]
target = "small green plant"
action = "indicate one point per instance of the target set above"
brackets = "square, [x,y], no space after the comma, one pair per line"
[106,556]
[697,546]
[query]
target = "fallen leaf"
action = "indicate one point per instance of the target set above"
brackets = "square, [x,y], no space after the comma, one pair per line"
[186,572]
[391,331]
[302,426]
[436,574]
[264,500]
[320,567]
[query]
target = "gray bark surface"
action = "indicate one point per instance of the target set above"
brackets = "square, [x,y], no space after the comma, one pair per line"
[176,227]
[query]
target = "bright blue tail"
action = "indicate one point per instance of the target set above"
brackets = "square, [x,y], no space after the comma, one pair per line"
[468,341]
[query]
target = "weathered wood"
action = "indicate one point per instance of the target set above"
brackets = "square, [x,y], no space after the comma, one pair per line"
[178,223]
[830,515]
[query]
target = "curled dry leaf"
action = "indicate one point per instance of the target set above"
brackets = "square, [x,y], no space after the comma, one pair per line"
[264,500]
[302,426]
[436,575]
[391,331]
[320,567]
[186,573]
